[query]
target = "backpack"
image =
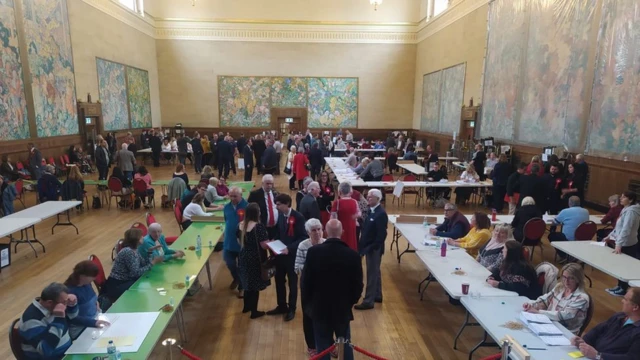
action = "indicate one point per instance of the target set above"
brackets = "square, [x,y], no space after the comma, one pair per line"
[96,203]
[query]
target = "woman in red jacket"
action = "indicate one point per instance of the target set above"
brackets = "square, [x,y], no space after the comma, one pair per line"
[300,167]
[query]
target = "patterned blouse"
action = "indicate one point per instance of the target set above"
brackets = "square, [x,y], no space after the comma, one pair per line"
[570,311]
[301,255]
[490,259]
[129,265]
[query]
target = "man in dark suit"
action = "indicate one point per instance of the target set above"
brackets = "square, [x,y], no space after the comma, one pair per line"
[198,151]
[247,153]
[553,186]
[35,162]
[316,160]
[332,280]
[534,186]
[225,155]
[183,150]
[259,148]
[213,144]
[291,232]
[263,196]
[309,207]
[103,161]
[374,233]
[269,160]
[242,141]
[156,148]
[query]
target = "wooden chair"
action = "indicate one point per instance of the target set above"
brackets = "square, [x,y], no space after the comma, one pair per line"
[532,235]
[587,320]
[585,232]
[101,278]
[15,340]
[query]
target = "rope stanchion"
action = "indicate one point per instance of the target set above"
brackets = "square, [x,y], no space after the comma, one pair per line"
[365,352]
[188,354]
[324,353]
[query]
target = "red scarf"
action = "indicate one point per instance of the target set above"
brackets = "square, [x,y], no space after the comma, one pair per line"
[292,222]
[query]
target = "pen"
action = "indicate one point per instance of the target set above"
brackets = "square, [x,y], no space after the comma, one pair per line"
[536,349]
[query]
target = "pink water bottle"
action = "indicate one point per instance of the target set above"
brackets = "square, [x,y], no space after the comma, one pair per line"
[443,249]
[494,215]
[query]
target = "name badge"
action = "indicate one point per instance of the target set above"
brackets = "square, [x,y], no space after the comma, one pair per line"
[370,219]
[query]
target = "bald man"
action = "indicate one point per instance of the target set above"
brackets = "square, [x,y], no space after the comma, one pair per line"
[332,281]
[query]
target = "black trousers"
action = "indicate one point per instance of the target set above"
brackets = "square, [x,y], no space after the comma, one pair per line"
[307,322]
[223,167]
[285,268]
[197,162]
[206,159]
[292,182]
[248,173]
[258,162]
[232,165]
[558,236]
[103,172]
[632,251]
[315,171]
[277,169]
[498,197]
[251,300]
[156,158]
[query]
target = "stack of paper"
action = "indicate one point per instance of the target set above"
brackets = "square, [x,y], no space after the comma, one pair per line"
[543,327]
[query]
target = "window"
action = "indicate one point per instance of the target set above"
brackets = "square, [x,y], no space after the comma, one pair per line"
[134,5]
[436,7]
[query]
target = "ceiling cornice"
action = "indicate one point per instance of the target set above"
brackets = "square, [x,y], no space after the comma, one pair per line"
[287,30]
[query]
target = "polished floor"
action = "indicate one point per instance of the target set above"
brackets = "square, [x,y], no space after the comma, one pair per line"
[403,327]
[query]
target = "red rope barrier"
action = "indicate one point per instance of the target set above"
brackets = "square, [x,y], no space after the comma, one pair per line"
[365,352]
[324,353]
[188,354]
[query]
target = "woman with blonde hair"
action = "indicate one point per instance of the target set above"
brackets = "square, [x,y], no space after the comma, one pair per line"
[535,160]
[464,193]
[196,208]
[567,303]
[490,255]
[292,179]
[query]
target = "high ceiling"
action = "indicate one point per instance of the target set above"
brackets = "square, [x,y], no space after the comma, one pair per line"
[289,10]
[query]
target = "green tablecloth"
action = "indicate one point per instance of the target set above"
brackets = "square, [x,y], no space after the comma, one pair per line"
[143,296]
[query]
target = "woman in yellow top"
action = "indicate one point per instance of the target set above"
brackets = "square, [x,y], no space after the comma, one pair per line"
[479,234]
[206,149]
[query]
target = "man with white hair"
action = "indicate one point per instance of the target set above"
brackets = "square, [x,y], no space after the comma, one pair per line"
[126,161]
[309,207]
[154,245]
[233,214]
[374,233]
[265,198]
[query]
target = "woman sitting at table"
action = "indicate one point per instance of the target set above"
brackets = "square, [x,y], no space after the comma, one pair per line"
[526,212]
[166,150]
[126,183]
[490,255]
[515,273]
[73,187]
[197,208]
[479,234]
[222,188]
[207,173]
[127,268]
[154,245]
[212,191]
[340,145]
[360,168]
[251,234]
[147,196]
[567,303]
[79,284]
[615,208]
[468,176]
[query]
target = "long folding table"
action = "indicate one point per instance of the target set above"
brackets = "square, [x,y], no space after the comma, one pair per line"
[10,226]
[620,266]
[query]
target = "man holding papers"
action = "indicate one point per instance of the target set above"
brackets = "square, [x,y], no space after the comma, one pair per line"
[290,231]
[617,338]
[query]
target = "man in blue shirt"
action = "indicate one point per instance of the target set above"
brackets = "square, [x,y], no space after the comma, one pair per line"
[570,219]
[233,215]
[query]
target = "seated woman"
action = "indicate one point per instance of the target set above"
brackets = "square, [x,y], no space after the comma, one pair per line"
[437,175]
[126,183]
[515,273]
[73,187]
[166,150]
[127,268]
[212,191]
[464,193]
[79,284]
[611,217]
[341,145]
[567,303]
[181,174]
[490,255]
[526,212]
[479,234]
[360,168]
[154,245]
[222,188]
[207,173]
[147,196]
[196,208]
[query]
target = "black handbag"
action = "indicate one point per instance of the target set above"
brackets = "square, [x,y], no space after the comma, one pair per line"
[267,267]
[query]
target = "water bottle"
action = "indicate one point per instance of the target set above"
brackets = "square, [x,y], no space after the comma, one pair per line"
[210,244]
[494,215]
[112,352]
[172,302]
[187,279]
[443,249]
[198,243]
[425,223]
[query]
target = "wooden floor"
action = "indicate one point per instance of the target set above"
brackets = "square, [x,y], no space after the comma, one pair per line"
[403,327]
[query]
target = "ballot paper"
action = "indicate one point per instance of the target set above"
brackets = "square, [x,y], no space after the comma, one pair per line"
[276,246]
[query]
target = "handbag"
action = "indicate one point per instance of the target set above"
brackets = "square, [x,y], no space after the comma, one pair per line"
[267,267]
[287,168]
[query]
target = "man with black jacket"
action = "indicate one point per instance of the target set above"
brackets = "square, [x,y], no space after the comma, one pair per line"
[553,186]
[247,153]
[265,198]
[183,149]
[316,160]
[269,160]
[332,280]
[198,151]
[103,160]
[213,144]
[156,149]
[259,148]
[225,155]
[513,187]
[291,231]
[242,141]
[533,185]
[374,233]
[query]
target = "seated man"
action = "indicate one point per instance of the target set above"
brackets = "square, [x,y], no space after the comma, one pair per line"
[570,219]
[455,224]
[44,325]
[154,245]
[618,337]
[373,171]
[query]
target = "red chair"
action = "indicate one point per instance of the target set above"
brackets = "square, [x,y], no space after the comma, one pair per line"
[150,219]
[66,159]
[532,235]
[409,190]
[116,249]
[63,164]
[101,278]
[139,225]
[585,232]
[115,190]
[52,161]
[140,191]
[525,252]
[15,340]
[20,168]
[178,204]
[177,211]
[20,190]
[493,357]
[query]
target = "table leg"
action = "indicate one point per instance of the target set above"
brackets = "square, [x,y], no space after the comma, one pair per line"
[209,275]
[464,325]
[68,223]
[180,322]
[24,238]
[428,279]
[407,250]
[482,343]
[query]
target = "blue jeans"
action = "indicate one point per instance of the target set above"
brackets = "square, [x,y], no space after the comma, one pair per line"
[324,337]
[231,259]
[128,174]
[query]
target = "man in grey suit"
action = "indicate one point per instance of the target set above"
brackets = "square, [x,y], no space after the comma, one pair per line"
[35,162]
[126,161]
[309,207]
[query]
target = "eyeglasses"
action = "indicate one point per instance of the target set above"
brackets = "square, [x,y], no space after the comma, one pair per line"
[568,278]
[445,210]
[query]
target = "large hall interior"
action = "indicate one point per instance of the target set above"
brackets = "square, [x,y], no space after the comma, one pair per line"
[482,157]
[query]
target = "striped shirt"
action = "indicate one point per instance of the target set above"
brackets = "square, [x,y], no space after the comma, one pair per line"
[45,336]
[301,255]
[571,311]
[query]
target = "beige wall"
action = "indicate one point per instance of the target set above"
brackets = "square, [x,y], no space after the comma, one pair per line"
[462,41]
[189,70]
[96,34]
[302,10]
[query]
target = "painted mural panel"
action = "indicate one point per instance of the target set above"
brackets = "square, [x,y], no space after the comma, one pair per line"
[244,101]
[502,70]
[333,102]
[452,98]
[554,102]
[139,98]
[431,87]
[289,92]
[46,25]
[113,95]
[14,124]
[615,115]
